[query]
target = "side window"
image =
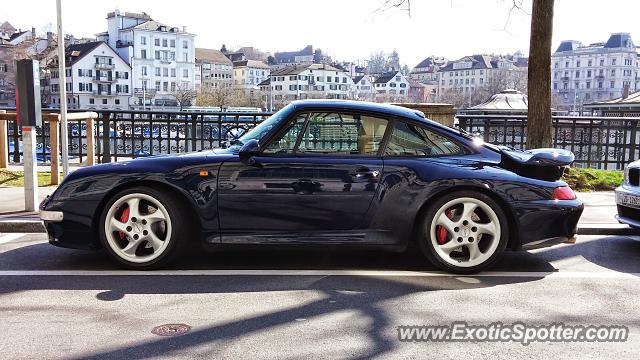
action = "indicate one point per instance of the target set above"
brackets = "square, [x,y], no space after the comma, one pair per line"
[285,141]
[414,140]
[342,134]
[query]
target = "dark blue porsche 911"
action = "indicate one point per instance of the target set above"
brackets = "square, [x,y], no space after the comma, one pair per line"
[335,173]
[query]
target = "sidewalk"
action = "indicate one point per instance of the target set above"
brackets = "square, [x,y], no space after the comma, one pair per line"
[597,218]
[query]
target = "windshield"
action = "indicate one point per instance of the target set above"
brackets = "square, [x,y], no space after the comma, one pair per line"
[262,129]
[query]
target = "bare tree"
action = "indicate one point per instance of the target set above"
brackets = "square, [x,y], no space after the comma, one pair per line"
[215,96]
[539,71]
[539,114]
[184,95]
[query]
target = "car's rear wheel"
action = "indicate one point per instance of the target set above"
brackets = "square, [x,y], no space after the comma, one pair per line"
[464,232]
[143,228]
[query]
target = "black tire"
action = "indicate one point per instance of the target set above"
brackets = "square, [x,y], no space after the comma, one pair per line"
[178,216]
[427,247]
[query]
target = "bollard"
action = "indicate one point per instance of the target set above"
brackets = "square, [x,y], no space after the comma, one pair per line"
[54,137]
[4,145]
[90,142]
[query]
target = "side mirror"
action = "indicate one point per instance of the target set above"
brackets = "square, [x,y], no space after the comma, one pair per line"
[248,151]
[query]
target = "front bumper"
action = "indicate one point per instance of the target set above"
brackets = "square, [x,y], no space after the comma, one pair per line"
[627,214]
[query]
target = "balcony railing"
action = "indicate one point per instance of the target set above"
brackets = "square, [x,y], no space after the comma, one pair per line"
[101,66]
[599,142]
[104,79]
[104,93]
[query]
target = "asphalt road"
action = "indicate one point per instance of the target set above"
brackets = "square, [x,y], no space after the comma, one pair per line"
[59,303]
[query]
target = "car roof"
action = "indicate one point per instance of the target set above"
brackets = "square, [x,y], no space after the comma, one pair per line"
[388,109]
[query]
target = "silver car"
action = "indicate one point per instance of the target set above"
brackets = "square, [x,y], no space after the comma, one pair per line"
[628,196]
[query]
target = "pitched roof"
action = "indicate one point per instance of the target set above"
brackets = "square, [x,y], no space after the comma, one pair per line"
[16,35]
[424,63]
[289,56]
[265,82]
[384,78]
[633,98]
[506,100]
[251,63]
[357,79]
[477,62]
[75,52]
[212,55]
[153,25]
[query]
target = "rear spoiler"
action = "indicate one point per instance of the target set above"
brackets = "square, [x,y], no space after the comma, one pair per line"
[543,164]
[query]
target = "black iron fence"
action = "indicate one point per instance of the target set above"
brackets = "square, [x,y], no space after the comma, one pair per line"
[597,142]
[129,134]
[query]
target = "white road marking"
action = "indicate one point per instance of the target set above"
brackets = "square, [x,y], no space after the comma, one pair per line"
[10,237]
[371,273]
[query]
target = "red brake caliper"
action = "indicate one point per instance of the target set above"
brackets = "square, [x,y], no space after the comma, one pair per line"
[124,218]
[441,231]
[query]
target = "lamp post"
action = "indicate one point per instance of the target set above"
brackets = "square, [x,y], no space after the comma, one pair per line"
[63,92]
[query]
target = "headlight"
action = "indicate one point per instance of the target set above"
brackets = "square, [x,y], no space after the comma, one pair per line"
[626,175]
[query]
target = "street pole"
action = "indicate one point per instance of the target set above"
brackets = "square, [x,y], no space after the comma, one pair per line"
[63,92]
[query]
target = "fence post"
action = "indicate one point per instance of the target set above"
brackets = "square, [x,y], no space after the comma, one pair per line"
[55,150]
[106,137]
[632,141]
[4,148]
[90,142]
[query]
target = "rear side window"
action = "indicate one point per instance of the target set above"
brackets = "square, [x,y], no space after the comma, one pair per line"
[412,140]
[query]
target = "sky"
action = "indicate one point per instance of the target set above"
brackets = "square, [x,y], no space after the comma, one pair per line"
[348,30]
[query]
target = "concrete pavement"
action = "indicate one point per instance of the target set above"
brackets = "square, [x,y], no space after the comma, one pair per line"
[81,306]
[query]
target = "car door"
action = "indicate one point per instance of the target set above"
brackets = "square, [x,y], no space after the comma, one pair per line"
[312,182]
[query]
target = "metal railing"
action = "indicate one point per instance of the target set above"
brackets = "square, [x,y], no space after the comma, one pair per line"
[125,134]
[598,142]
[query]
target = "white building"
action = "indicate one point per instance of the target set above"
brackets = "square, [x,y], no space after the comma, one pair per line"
[215,69]
[482,73]
[391,86]
[587,73]
[363,88]
[162,57]
[315,81]
[247,74]
[97,78]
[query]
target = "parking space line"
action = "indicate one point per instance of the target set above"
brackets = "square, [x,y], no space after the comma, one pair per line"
[371,273]
[10,237]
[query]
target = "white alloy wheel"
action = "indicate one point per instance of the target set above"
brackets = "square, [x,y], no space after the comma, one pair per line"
[465,232]
[137,228]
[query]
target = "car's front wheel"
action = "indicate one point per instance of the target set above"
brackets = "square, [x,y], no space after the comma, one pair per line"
[143,228]
[464,232]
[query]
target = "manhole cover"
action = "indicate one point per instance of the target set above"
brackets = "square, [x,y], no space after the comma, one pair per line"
[171,329]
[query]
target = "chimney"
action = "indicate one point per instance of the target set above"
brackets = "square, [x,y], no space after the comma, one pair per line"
[625,91]
[49,37]
[184,28]
[33,32]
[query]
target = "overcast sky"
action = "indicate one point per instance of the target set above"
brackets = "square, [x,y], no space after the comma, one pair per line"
[347,29]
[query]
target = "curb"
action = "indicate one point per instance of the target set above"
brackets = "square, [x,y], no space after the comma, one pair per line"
[21,226]
[36,226]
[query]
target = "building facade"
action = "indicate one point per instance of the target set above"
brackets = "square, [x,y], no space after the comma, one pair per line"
[247,74]
[391,86]
[162,57]
[472,79]
[96,78]
[596,72]
[216,70]
[315,81]
[363,88]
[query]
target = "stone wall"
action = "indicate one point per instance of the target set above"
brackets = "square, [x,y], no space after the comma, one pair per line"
[442,113]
